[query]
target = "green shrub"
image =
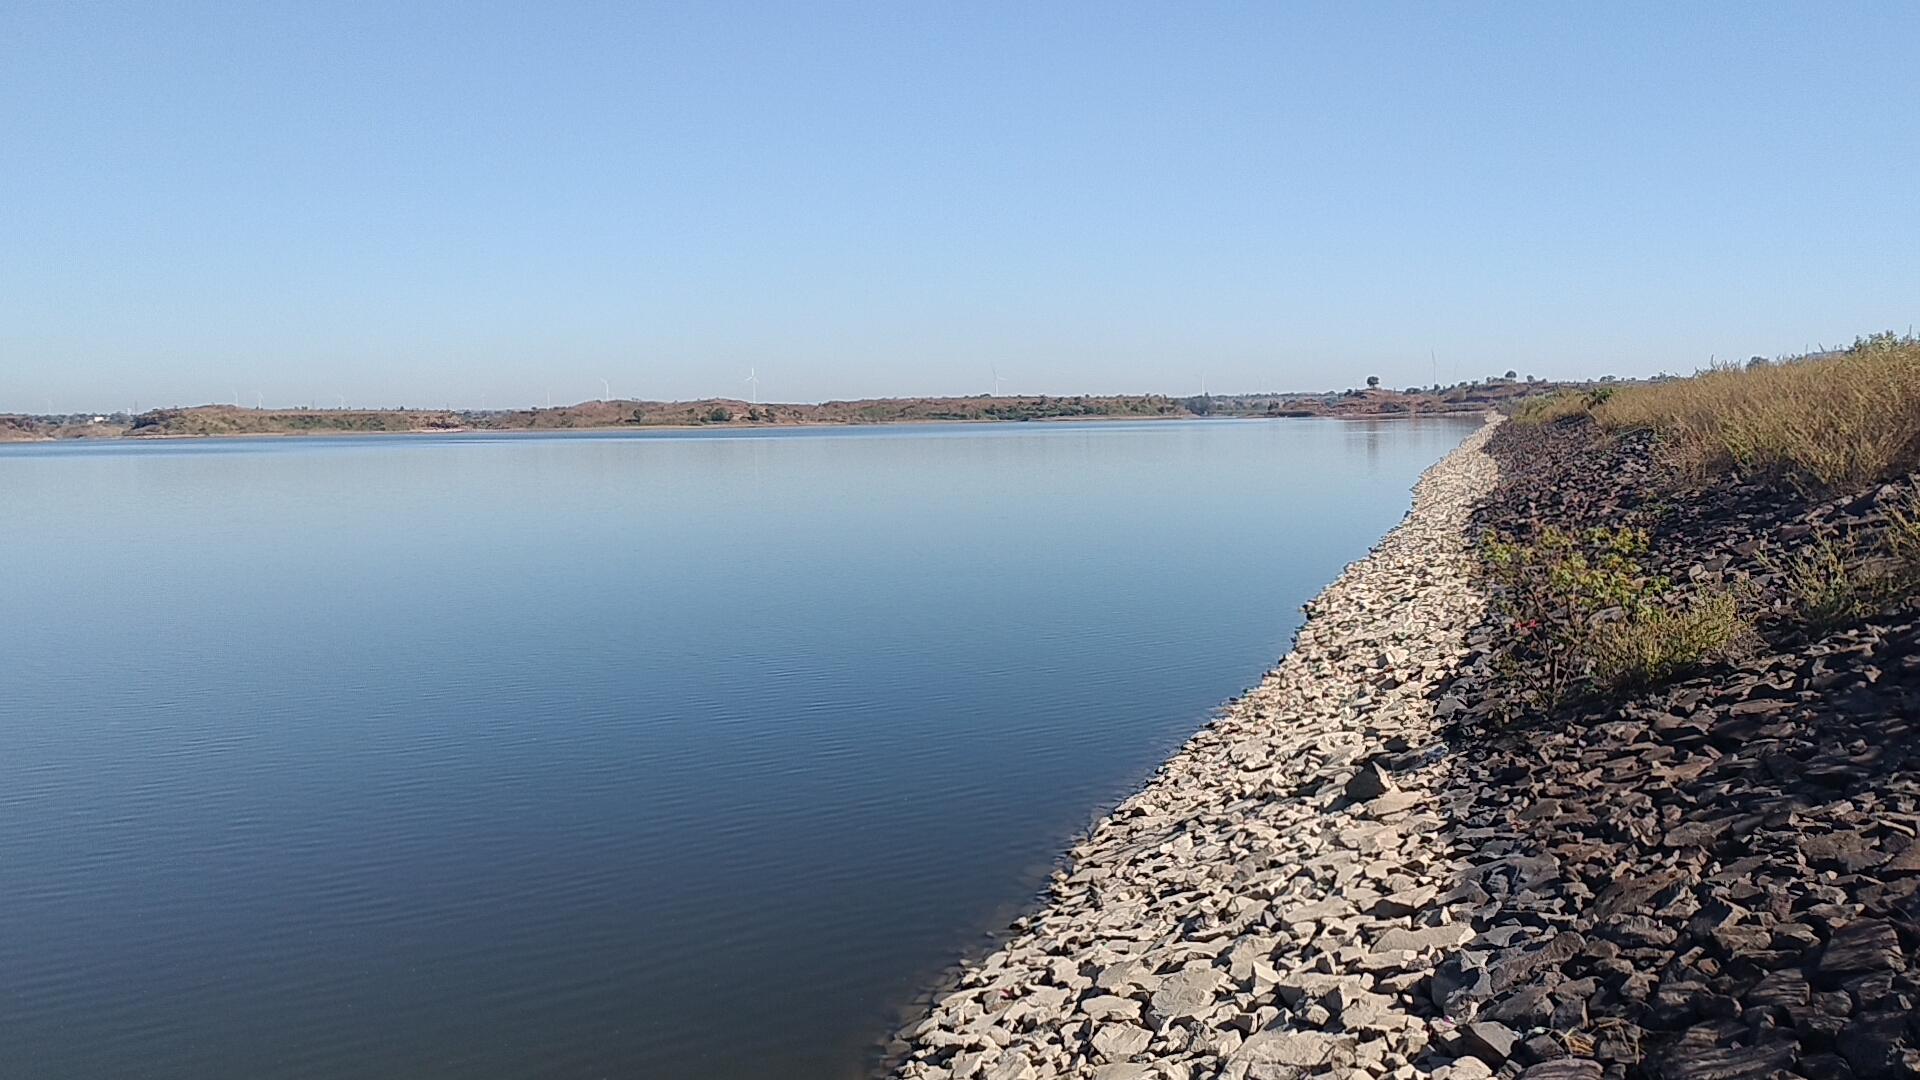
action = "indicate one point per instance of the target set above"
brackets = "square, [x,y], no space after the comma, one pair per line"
[1657,644]
[1582,610]
[1837,580]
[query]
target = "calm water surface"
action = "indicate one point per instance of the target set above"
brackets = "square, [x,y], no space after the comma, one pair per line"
[652,755]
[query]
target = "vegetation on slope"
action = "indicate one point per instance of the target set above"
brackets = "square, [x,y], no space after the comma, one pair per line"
[1828,424]
[235,420]
[1584,611]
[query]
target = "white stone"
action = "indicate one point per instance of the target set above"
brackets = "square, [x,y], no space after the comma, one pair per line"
[1297,1048]
[1189,992]
[1466,1068]
[1118,1042]
[1109,1007]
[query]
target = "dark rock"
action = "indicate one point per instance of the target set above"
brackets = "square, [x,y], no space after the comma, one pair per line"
[1778,988]
[1489,1041]
[1638,932]
[1529,1008]
[1824,1067]
[1369,783]
[1730,1063]
[1734,846]
[1569,1015]
[1880,1046]
[1862,946]
[1563,1069]
[1542,1047]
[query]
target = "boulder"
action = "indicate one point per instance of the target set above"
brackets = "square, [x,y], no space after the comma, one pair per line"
[1862,946]
[1189,992]
[1118,1042]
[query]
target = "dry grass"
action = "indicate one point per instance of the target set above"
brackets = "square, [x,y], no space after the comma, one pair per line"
[1559,405]
[1834,581]
[1829,586]
[1832,423]
[1658,644]
[1902,538]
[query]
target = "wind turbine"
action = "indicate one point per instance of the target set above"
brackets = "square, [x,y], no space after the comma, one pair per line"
[753,379]
[259,400]
[996,382]
[608,387]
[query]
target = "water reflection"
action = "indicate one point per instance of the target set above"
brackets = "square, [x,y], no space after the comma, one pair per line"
[666,755]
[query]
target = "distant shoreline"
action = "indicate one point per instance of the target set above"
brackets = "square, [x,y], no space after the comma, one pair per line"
[738,428]
[205,421]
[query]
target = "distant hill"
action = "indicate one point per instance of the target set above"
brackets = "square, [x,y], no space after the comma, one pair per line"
[216,420]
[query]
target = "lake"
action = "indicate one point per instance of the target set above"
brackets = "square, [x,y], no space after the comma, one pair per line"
[673,754]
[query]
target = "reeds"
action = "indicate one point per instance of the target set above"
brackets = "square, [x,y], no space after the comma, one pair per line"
[1833,423]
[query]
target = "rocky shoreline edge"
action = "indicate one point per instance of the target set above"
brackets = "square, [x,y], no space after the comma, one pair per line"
[1274,899]
[1418,851]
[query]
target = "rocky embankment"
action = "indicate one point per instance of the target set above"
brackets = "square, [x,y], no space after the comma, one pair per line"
[1387,860]
[1274,899]
[1714,879]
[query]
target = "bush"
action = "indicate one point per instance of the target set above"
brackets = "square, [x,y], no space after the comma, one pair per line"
[1582,609]
[1826,588]
[1655,645]
[1830,423]
[1834,581]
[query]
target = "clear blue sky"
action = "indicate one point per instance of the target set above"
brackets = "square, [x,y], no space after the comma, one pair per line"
[467,204]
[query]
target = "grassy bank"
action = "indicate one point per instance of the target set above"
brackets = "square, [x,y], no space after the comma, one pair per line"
[1828,424]
[1590,610]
